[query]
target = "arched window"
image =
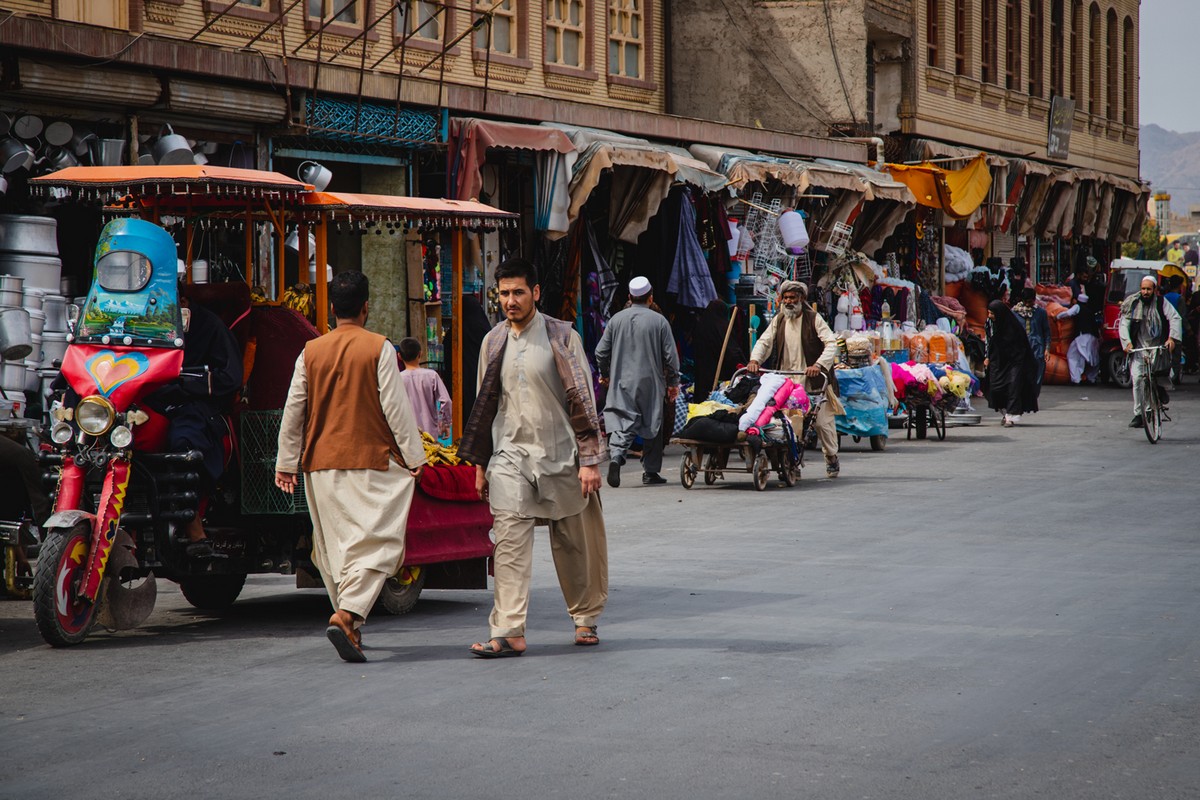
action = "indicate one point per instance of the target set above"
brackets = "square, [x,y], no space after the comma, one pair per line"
[1094,59]
[1111,62]
[1129,74]
[1056,47]
[1012,45]
[989,38]
[1036,35]
[933,31]
[962,23]
[1077,51]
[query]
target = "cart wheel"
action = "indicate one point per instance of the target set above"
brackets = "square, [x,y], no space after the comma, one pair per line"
[711,471]
[789,474]
[688,470]
[762,471]
[923,415]
[909,423]
[879,442]
[939,424]
[856,439]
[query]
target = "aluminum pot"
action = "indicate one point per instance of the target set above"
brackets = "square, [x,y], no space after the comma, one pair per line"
[33,381]
[316,174]
[54,347]
[16,340]
[172,149]
[37,323]
[58,133]
[43,272]
[106,152]
[15,155]
[34,298]
[22,233]
[28,126]
[56,158]
[3,184]
[12,376]
[10,298]
[55,307]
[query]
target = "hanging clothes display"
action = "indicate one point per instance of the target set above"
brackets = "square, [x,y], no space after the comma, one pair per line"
[690,280]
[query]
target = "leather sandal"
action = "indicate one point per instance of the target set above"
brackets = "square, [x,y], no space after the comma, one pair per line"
[585,635]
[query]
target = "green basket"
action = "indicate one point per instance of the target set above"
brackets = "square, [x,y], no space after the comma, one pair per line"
[260,444]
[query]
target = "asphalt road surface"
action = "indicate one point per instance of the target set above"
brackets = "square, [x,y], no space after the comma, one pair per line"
[1010,613]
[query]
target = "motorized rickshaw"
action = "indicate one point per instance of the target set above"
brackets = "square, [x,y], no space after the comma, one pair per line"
[121,496]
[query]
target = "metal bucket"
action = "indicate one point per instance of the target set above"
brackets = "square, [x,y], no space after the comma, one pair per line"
[15,337]
[12,376]
[34,359]
[33,381]
[33,298]
[54,347]
[55,307]
[107,152]
[42,272]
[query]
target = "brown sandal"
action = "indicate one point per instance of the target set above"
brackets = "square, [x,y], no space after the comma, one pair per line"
[585,635]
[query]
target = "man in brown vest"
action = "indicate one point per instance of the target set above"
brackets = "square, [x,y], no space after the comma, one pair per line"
[799,340]
[349,426]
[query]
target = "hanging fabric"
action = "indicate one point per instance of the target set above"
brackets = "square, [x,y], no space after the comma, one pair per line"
[552,198]
[690,279]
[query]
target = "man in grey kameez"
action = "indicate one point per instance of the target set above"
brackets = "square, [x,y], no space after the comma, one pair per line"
[636,357]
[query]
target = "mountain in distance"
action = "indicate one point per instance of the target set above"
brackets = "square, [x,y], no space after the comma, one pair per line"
[1171,162]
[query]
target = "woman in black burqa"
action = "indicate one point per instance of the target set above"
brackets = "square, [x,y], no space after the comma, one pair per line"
[1012,386]
[709,335]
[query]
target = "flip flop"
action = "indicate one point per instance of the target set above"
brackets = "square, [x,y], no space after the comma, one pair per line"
[505,650]
[345,644]
[585,636]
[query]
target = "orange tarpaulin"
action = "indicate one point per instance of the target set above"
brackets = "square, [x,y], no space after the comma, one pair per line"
[957,192]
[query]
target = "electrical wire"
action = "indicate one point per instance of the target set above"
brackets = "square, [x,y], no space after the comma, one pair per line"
[837,62]
[102,61]
[733,25]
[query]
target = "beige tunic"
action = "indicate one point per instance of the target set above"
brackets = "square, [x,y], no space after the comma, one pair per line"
[359,516]
[792,350]
[534,469]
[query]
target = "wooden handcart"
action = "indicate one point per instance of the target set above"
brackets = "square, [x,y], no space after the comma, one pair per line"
[713,459]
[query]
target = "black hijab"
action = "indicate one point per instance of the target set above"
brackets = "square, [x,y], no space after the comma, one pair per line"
[1012,370]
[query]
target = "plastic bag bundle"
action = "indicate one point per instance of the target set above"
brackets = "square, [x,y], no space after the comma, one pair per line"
[864,398]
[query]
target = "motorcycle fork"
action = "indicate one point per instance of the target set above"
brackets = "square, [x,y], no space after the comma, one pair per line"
[70,486]
[108,519]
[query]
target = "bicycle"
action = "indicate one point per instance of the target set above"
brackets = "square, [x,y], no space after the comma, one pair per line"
[1153,413]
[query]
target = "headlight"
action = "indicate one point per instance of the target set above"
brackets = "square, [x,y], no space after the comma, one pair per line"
[60,433]
[120,437]
[94,415]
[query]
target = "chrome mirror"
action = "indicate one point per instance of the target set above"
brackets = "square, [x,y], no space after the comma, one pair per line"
[186,314]
[72,316]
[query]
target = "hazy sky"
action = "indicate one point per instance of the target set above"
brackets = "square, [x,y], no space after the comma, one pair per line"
[1170,32]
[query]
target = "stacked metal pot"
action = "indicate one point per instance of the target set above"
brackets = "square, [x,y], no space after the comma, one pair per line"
[33,319]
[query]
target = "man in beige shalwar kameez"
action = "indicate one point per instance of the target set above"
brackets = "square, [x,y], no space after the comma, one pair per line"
[534,435]
[349,426]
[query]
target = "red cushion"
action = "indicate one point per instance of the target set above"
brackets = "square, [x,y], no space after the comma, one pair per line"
[454,483]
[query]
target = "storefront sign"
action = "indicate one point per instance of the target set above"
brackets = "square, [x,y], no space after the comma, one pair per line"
[1062,118]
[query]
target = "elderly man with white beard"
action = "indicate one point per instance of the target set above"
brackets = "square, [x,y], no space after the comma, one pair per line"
[799,340]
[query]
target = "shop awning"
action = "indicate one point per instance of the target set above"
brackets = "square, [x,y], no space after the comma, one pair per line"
[880,185]
[932,150]
[110,184]
[643,173]
[471,138]
[742,167]
[419,211]
[958,193]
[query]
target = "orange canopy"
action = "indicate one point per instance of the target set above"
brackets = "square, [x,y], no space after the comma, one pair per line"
[453,213]
[956,192]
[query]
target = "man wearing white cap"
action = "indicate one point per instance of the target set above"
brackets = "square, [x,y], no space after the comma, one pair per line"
[1147,320]
[636,357]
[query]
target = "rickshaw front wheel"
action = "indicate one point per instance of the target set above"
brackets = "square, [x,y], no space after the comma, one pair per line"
[212,592]
[401,592]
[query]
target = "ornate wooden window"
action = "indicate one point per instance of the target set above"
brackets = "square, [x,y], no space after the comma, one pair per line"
[259,10]
[1129,73]
[348,12]
[1077,51]
[1056,47]
[1037,35]
[566,33]
[933,32]
[1094,59]
[627,39]
[962,22]
[1012,45]
[421,18]
[988,40]
[1111,61]
[506,38]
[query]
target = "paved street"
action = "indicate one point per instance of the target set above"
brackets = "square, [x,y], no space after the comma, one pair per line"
[1008,613]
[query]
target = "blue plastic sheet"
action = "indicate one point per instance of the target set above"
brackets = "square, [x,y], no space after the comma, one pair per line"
[864,395]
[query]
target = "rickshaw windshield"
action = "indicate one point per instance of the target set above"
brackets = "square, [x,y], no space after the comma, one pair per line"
[134,293]
[1125,282]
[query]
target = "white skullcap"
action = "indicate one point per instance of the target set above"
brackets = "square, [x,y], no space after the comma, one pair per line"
[1152,279]
[639,287]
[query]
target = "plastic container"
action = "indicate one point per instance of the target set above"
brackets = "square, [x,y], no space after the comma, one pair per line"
[199,271]
[793,231]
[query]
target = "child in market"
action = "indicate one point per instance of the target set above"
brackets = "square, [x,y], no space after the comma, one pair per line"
[426,391]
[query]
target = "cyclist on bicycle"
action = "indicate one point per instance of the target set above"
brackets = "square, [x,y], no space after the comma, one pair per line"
[1147,320]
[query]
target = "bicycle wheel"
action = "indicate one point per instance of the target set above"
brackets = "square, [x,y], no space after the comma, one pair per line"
[1151,410]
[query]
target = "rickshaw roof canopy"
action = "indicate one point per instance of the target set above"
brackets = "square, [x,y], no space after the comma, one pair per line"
[171,179]
[453,213]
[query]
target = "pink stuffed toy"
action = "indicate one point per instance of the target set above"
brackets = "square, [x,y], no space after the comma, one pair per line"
[773,405]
